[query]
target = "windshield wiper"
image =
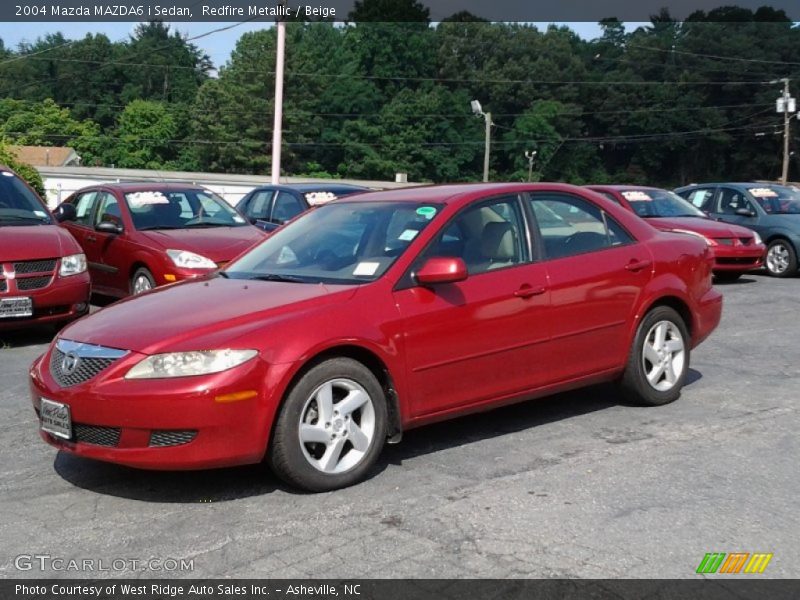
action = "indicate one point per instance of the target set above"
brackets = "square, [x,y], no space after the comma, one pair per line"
[206,224]
[153,227]
[36,218]
[276,277]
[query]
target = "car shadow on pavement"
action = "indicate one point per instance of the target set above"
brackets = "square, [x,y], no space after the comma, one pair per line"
[184,487]
[740,281]
[220,485]
[20,338]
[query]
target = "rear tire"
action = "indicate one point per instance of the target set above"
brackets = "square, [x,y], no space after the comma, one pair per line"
[658,360]
[781,259]
[331,428]
[142,281]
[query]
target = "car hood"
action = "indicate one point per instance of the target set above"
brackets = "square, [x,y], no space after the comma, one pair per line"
[220,244]
[199,314]
[35,242]
[706,227]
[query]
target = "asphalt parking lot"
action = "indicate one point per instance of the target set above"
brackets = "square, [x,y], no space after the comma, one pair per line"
[576,485]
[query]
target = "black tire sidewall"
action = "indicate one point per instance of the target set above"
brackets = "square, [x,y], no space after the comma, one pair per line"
[634,381]
[138,273]
[792,268]
[286,457]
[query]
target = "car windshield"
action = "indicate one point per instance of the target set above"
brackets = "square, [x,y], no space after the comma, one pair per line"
[777,199]
[180,209]
[338,243]
[660,203]
[18,204]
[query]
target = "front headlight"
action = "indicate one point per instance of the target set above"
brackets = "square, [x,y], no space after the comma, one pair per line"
[757,238]
[186,364]
[189,260]
[707,240]
[74,264]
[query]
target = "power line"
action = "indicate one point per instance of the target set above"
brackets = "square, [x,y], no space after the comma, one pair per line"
[714,56]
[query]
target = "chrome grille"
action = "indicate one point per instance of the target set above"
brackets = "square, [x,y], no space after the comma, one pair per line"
[171,438]
[97,435]
[33,283]
[72,363]
[35,266]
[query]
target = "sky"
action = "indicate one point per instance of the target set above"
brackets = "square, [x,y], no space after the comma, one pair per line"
[218,46]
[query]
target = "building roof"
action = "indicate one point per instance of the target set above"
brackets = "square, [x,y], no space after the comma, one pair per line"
[43,156]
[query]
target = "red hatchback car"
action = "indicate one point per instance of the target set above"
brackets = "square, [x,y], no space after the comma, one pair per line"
[139,236]
[368,316]
[737,249]
[43,276]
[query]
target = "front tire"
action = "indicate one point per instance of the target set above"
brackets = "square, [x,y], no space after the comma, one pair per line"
[658,360]
[781,260]
[331,428]
[142,281]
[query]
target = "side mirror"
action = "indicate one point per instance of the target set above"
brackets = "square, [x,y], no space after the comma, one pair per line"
[108,227]
[442,270]
[65,212]
[745,212]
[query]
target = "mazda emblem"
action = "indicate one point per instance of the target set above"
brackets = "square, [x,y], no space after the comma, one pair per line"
[70,362]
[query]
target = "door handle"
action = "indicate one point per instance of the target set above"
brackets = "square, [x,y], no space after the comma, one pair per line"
[637,265]
[91,238]
[527,291]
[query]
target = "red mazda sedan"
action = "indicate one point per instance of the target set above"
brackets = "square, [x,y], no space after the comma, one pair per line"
[368,316]
[737,249]
[139,236]
[43,276]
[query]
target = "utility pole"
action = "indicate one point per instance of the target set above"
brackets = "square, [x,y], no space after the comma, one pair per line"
[476,108]
[786,105]
[530,156]
[278,116]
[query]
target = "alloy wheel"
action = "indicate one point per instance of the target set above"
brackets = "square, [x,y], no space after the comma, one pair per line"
[663,355]
[141,284]
[777,259]
[337,426]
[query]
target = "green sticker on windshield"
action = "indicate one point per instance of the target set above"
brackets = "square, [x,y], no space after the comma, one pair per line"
[426,211]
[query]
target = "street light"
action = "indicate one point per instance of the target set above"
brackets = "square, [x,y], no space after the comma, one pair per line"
[478,110]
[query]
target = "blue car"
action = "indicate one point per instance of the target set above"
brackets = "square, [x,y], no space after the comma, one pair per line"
[769,209]
[270,206]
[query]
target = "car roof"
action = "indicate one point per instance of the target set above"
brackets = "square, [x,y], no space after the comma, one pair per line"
[126,187]
[619,187]
[315,187]
[736,184]
[452,193]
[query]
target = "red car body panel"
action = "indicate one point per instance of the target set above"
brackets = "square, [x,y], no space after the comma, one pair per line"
[62,298]
[735,249]
[113,258]
[442,348]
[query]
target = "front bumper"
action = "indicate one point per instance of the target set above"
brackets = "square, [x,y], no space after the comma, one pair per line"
[65,299]
[739,258]
[128,422]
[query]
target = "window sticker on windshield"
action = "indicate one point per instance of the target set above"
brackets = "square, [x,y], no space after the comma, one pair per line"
[763,193]
[366,268]
[408,235]
[139,199]
[40,213]
[238,219]
[317,198]
[426,211]
[636,196]
[7,174]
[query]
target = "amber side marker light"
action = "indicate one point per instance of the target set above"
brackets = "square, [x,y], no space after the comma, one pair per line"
[236,396]
[170,277]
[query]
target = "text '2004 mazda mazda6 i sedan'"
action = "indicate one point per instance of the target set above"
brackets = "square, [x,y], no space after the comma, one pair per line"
[368,316]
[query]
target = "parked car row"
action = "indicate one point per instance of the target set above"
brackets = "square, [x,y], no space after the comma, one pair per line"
[312,345]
